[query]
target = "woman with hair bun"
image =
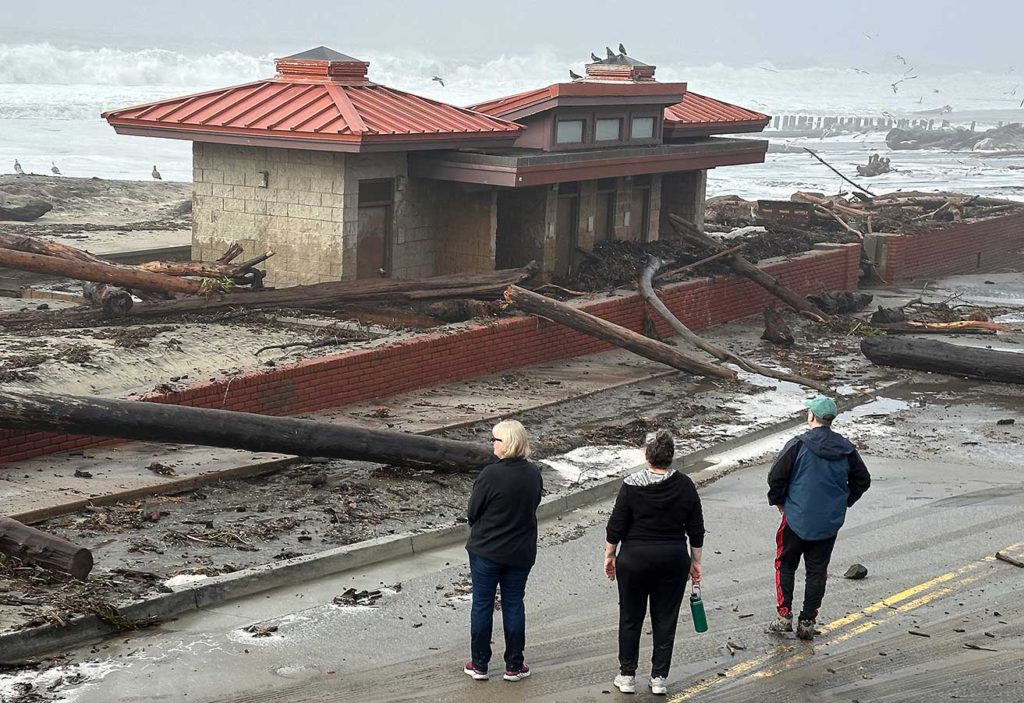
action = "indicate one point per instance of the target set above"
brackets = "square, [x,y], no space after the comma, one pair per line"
[657,509]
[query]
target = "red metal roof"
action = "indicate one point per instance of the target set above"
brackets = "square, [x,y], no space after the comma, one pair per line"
[700,111]
[694,112]
[312,100]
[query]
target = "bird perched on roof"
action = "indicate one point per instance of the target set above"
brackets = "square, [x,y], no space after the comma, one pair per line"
[622,49]
[53,169]
[438,79]
[575,76]
[594,57]
[608,50]
[156,174]
[17,168]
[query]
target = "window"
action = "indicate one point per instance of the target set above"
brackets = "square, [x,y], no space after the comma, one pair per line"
[643,128]
[569,132]
[608,130]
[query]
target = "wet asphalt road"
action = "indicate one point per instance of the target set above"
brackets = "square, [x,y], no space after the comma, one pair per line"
[927,532]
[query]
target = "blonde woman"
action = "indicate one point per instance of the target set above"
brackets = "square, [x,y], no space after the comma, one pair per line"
[502,548]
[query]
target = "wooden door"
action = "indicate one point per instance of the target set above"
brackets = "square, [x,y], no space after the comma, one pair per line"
[566,233]
[374,244]
[604,217]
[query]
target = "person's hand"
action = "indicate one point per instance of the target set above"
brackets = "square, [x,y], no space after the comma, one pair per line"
[695,572]
[609,567]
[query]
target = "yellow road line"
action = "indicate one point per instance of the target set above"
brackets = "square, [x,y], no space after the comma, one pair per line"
[918,593]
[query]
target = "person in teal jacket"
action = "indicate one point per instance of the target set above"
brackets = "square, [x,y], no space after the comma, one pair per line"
[814,479]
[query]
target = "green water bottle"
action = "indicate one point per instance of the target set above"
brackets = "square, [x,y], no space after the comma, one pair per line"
[700,618]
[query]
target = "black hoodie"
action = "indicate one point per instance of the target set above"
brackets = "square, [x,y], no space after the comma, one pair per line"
[666,511]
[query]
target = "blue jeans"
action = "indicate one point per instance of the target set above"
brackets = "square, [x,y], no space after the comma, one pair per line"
[486,577]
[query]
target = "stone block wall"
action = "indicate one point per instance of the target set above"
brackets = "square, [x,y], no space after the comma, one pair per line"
[298,215]
[467,222]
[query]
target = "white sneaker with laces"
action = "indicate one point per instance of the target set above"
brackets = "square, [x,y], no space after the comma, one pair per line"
[658,686]
[625,684]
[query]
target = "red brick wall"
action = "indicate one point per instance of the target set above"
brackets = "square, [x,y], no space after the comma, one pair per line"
[972,247]
[433,359]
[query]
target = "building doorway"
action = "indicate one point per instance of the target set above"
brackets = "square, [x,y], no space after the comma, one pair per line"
[604,211]
[373,243]
[641,209]
[567,220]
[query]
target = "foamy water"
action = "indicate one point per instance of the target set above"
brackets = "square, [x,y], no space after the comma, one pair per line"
[51,98]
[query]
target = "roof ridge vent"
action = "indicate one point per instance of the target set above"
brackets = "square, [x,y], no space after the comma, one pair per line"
[322,62]
[619,67]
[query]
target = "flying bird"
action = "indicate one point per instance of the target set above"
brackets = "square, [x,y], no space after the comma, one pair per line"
[575,76]
[438,79]
[859,70]
[920,100]
[622,49]
[53,169]
[594,57]
[767,68]
[17,168]
[1012,92]
[608,50]
[867,35]
[900,58]
[156,174]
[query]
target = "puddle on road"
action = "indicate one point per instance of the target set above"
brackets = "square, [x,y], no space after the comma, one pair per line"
[65,682]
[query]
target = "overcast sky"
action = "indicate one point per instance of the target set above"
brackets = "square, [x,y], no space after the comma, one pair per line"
[949,34]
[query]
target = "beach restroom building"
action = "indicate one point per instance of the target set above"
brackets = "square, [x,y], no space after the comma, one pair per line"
[345,178]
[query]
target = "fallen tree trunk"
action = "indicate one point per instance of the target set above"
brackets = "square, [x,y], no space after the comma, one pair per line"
[100,273]
[563,314]
[34,546]
[945,358]
[720,353]
[961,327]
[690,232]
[159,422]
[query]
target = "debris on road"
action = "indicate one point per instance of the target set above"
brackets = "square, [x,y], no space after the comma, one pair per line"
[856,572]
[352,597]
[1010,560]
[261,630]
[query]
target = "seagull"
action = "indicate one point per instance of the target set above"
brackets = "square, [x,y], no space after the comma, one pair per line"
[900,58]
[1012,92]
[859,70]
[920,100]
[438,79]
[575,76]
[867,35]
[766,68]
[611,54]
[156,174]
[594,57]
[622,49]
[17,168]
[53,169]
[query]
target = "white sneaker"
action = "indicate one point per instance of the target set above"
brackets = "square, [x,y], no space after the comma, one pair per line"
[626,684]
[658,686]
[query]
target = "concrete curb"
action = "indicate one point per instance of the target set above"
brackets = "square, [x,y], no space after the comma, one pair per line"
[19,645]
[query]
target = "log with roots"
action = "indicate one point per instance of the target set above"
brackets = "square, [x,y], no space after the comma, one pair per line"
[945,358]
[34,546]
[102,273]
[690,233]
[114,301]
[720,353]
[584,322]
[159,422]
[776,329]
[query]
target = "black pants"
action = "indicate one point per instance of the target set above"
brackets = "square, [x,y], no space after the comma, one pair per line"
[656,573]
[817,554]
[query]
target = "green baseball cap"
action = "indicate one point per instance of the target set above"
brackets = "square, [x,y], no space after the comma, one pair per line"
[822,406]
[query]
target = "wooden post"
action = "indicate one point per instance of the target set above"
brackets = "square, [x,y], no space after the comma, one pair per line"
[158,422]
[563,314]
[48,551]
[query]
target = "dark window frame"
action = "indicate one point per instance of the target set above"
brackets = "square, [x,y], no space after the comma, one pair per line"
[583,130]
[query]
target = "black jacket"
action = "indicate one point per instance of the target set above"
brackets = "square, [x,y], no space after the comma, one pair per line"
[815,478]
[667,511]
[503,513]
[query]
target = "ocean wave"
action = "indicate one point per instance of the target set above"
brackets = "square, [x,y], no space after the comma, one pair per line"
[50,65]
[44,80]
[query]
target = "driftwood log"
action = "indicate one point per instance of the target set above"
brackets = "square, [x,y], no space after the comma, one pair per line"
[100,273]
[945,358]
[48,551]
[563,314]
[720,353]
[689,232]
[159,422]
